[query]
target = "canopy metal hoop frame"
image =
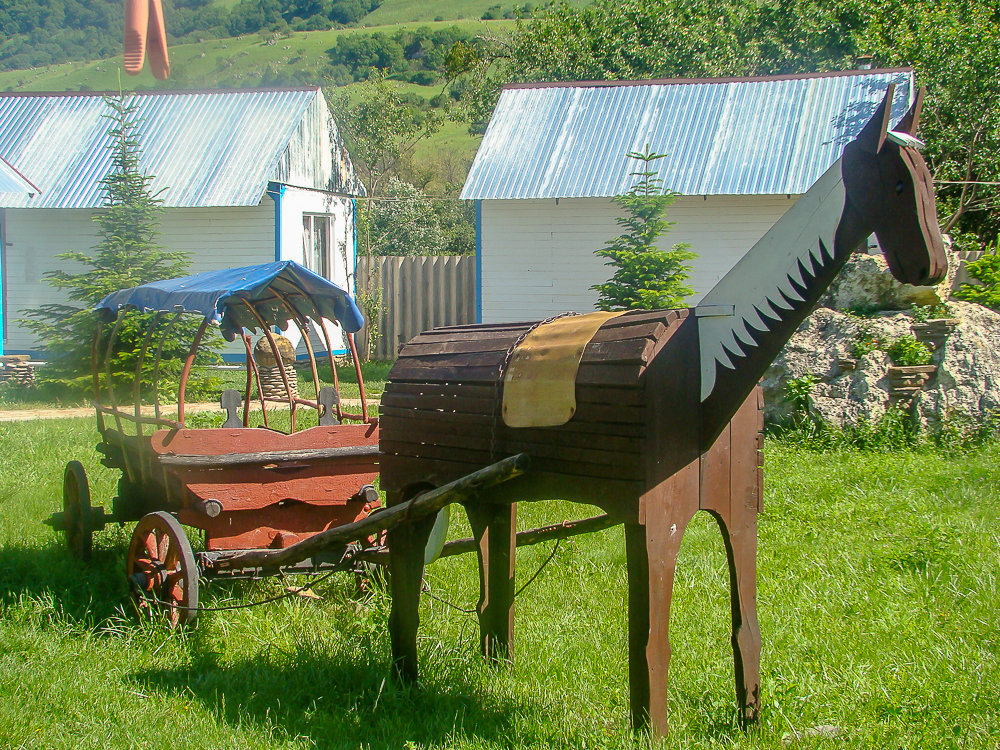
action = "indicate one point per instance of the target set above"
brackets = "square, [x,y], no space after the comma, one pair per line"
[154,321]
[302,324]
[277,358]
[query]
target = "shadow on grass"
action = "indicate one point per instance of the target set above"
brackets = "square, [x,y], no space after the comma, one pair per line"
[86,592]
[343,698]
[338,702]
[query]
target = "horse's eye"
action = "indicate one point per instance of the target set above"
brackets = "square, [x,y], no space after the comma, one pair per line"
[899,187]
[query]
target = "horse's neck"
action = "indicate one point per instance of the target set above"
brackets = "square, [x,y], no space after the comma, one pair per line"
[778,280]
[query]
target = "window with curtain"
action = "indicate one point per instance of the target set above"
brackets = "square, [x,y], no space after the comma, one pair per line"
[317,234]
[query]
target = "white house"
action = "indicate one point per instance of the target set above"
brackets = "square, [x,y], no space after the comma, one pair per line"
[739,151]
[246,177]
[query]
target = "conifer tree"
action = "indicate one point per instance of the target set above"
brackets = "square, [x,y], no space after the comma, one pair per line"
[645,277]
[126,255]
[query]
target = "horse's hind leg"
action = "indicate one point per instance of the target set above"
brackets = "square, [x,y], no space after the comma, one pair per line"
[494,529]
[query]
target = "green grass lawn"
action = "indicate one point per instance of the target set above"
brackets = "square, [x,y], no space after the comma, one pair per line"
[878,600]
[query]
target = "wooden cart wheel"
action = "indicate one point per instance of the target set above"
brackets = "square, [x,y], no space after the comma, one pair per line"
[161,569]
[77,513]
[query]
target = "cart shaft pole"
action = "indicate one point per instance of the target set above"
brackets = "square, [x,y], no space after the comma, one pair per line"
[461,490]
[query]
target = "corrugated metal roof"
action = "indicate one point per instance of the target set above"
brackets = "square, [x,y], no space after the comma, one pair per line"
[762,136]
[12,181]
[204,148]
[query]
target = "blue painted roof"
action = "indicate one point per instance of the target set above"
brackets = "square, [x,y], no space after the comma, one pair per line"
[220,297]
[752,136]
[216,148]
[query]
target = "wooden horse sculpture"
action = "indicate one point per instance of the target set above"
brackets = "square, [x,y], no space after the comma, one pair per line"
[667,420]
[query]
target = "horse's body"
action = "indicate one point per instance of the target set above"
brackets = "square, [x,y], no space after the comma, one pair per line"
[697,437]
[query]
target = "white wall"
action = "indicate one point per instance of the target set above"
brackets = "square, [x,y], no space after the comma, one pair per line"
[294,203]
[538,255]
[215,237]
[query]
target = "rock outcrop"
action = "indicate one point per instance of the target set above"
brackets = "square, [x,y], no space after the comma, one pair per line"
[850,388]
[865,283]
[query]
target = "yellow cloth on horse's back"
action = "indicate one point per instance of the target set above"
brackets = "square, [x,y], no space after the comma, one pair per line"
[539,387]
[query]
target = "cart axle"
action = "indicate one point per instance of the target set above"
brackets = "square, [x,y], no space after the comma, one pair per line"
[68,519]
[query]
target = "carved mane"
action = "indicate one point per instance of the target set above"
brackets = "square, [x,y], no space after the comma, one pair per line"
[772,280]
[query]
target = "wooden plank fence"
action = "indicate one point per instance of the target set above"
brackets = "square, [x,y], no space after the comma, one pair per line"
[419,292]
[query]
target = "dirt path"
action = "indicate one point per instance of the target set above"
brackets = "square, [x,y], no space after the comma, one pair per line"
[26,415]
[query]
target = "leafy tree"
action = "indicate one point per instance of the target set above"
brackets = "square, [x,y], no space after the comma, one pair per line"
[409,222]
[404,223]
[420,55]
[381,129]
[636,39]
[986,272]
[954,47]
[646,277]
[126,255]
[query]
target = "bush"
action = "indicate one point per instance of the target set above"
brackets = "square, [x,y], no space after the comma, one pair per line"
[800,391]
[986,271]
[923,313]
[897,430]
[866,340]
[906,351]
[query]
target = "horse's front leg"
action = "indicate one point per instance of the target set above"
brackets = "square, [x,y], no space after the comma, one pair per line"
[731,488]
[651,547]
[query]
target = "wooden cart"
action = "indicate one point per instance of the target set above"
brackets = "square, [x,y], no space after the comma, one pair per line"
[244,487]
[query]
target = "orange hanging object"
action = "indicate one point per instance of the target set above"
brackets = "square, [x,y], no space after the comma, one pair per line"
[144,20]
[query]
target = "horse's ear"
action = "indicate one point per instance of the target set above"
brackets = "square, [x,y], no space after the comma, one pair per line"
[912,117]
[872,135]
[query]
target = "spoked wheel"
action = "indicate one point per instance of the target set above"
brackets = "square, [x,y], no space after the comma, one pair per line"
[77,513]
[161,570]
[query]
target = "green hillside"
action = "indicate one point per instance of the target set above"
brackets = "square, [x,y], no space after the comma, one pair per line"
[250,60]
[259,60]
[406,11]
[278,56]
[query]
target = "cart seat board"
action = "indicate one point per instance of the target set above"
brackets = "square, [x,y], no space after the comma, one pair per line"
[215,442]
[256,488]
[224,460]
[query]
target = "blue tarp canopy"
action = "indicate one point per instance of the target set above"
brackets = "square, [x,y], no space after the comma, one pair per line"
[221,296]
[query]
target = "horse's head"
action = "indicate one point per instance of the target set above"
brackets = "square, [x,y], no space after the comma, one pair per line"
[889,187]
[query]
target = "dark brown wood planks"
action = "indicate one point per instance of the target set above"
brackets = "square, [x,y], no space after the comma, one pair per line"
[442,402]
